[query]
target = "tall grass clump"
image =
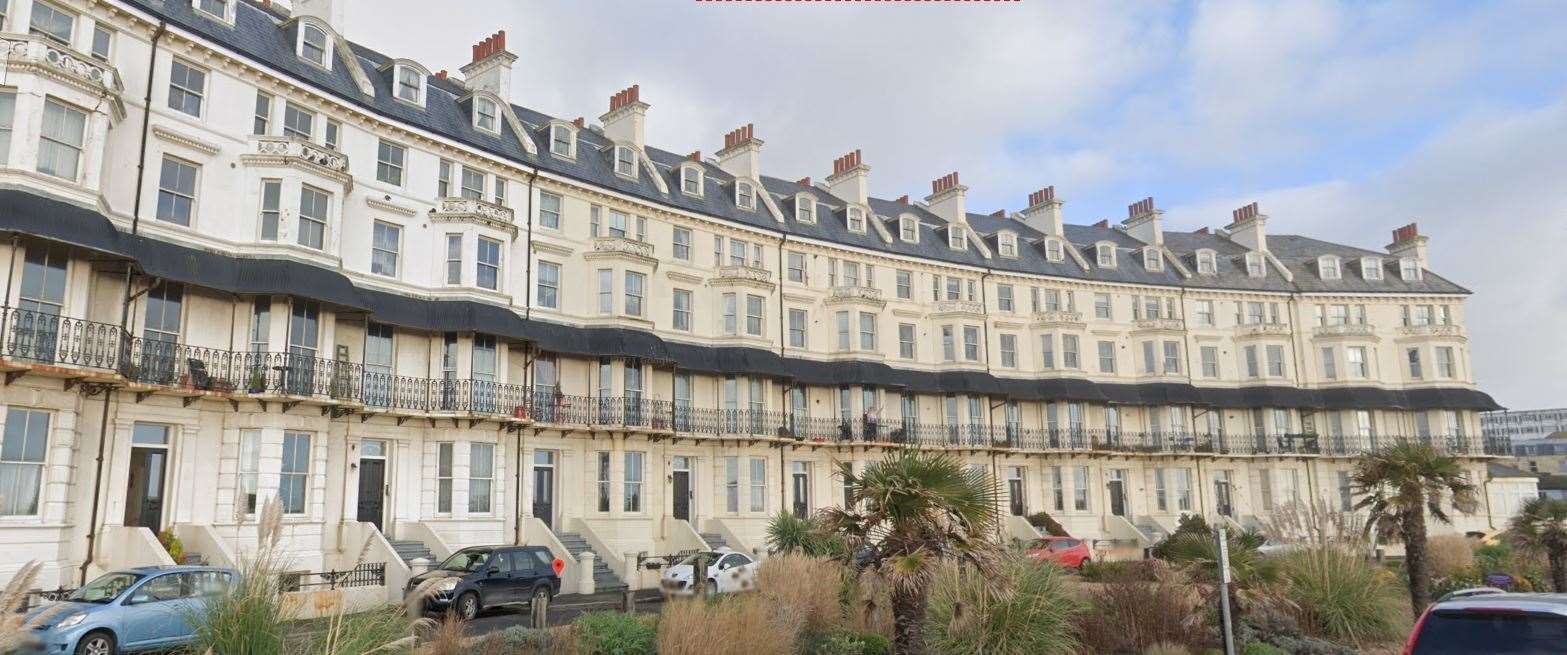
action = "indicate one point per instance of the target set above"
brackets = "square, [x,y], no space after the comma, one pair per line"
[1130,614]
[1341,596]
[248,620]
[739,624]
[16,628]
[1033,614]
[1450,554]
[810,590]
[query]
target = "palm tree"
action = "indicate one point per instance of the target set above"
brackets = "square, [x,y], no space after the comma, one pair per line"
[1541,527]
[1398,486]
[916,509]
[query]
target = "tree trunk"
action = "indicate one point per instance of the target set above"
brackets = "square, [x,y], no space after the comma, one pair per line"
[1413,530]
[1557,556]
[908,620]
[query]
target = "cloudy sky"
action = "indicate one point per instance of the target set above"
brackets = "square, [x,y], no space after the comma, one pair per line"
[1343,120]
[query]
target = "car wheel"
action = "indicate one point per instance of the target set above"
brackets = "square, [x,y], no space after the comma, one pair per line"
[468,606]
[96,643]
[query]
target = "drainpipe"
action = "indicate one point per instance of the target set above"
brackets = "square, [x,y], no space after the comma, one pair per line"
[527,370]
[125,307]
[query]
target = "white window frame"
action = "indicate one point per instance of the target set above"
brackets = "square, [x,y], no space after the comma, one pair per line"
[481,479]
[550,300]
[625,161]
[854,216]
[384,163]
[805,208]
[305,27]
[1104,254]
[418,87]
[1329,267]
[227,15]
[494,115]
[570,140]
[33,29]
[188,89]
[1153,260]
[908,229]
[1255,266]
[1207,262]
[1054,252]
[1371,269]
[175,192]
[310,445]
[1409,269]
[375,249]
[1006,245]
[957,237]
[692,181]
[40,465]
[59,142]
[745,195]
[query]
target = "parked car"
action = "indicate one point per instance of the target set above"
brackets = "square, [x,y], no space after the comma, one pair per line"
[1470,592]
[146,608]
[1065,552]
[1504,624]
[488,576]
[727,571]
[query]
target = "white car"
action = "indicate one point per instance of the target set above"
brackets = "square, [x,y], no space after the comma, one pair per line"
[727,572]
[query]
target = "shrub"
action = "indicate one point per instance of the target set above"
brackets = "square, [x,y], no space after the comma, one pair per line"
[849,643]
[1107,571]
[1033,614]
[1261,648]
[523,640]
[809,589]
[1166,649]
[1191,524]
[1449,555]
[613,633]
[1200,553]
[1044,521]
[1339,595]
[1130,613]
[172,544]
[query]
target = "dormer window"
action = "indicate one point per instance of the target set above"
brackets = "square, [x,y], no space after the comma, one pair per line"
[691,180]
[410,84]
[1104,255]
[1153,260]
[1371,268]
[745,195]
[957,238]
[1053,250]
[856,220]
[218,9]
[1006,244]
[1328,267]
[1207,262]
[486,115]
[804,208]
[1254,267]
[909,229]
[313,45]
[625,161]
[563,141]
[1408,269]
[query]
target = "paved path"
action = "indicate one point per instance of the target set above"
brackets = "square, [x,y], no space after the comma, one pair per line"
[563,610]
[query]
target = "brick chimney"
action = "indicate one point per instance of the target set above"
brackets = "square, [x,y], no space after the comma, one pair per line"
[1142,222]
[850,179]
[330,11]
[1408,242]
[946,199]
[1044,212]
[626,115]
[1249,228]
[742,153]
[490,69]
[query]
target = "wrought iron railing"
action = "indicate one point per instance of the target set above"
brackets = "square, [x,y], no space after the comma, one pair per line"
[369,574]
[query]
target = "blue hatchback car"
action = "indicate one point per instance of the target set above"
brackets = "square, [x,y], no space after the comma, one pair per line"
[144,608]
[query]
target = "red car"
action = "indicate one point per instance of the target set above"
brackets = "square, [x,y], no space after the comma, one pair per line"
[1065,552]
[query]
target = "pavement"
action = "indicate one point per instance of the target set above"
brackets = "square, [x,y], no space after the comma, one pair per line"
[564,609]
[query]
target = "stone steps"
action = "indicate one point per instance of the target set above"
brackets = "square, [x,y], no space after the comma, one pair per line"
[714,540]
[410,550]
[604,580]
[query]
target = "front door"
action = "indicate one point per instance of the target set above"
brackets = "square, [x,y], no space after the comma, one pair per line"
[544,487]
[372,491]
[145,488]
[1221,495]
[1015,496]
[682,492]
[1118,497]
[802,490]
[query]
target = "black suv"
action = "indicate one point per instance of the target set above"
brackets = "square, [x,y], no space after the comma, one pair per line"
[485,576]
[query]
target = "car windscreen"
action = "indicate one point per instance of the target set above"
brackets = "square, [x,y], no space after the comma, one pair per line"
[104,588]
[466,561]
[1500,632]
[712,558]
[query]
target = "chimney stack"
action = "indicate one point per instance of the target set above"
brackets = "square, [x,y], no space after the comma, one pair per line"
[742,153]
[490,69]
[1142,222]
[946,199]
[330,11]
[696,156]
[1103,222]
[1408,242]
[1249,228]
[850,178]
[1044,212]
[627,113]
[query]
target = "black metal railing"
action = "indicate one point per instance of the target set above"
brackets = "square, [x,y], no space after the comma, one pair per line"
[32,336]
[369,574]
[38,597]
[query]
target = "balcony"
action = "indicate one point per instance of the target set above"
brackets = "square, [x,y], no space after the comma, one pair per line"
[31,52]
[476,211]
[744,275]
[1434,330]
[1158,325]
[302,154]
[957,308]
[1057,317]
[855,294]
[1345,330]
[1259,330]
[616,247]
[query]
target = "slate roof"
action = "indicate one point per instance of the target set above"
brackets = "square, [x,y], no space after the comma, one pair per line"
[259,35]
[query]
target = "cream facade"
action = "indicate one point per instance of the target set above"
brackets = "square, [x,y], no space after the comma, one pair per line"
[249,259]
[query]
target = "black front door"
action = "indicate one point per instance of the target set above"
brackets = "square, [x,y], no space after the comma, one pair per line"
[544,495]
[682,492]
[1118,498]
[802,495]
[1221,497]
[1015,495]
[372,491]
[144,500]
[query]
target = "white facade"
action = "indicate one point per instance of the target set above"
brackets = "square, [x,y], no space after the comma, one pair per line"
[212,396]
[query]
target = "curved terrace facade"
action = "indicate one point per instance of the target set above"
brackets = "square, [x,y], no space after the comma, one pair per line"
[252,259]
